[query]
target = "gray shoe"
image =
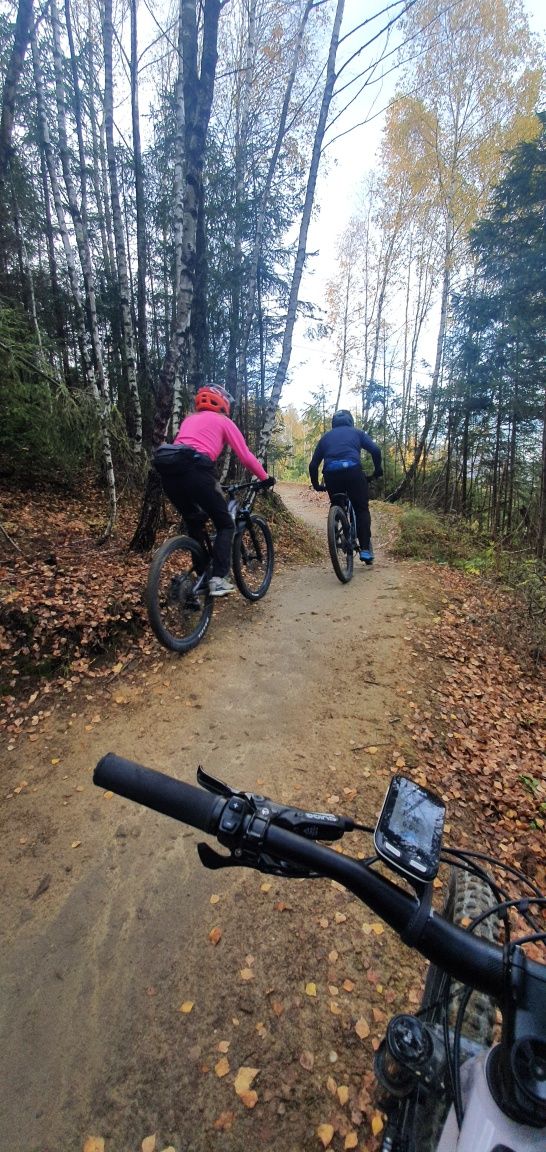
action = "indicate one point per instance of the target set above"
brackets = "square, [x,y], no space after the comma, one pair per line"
[220,586]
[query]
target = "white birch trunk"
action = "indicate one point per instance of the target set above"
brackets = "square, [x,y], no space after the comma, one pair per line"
[280,374]
[99,387]
[129,356]
[248,313]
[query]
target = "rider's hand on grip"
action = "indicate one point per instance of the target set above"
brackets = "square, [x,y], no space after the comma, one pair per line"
[269,483]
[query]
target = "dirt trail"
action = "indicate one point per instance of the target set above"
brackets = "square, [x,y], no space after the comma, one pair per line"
[106,909]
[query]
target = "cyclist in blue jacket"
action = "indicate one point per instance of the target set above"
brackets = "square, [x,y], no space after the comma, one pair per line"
[339,453]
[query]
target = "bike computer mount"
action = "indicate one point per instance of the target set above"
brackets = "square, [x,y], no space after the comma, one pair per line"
[244,822]
[408,834]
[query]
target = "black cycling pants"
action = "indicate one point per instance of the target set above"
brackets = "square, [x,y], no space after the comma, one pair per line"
[354,482]
[194,490]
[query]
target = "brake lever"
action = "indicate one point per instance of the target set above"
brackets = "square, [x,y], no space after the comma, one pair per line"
[213,785]
[311,825]
[263,863]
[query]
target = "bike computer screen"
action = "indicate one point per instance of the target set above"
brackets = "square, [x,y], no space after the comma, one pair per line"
[408,834]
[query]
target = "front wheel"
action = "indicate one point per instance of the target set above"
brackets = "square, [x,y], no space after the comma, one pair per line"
[253,558]
[468,897]
[341,552]
[178,601]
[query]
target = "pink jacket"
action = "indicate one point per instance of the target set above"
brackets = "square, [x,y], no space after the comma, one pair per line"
[209,432]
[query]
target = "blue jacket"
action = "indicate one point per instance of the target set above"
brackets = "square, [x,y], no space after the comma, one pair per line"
[341,448]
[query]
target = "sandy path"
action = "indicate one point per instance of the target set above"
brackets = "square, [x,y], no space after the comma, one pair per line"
[105,906]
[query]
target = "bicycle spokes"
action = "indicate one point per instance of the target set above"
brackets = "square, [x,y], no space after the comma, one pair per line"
[179,604]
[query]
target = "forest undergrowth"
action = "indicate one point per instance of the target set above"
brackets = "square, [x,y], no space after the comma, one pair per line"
[71,609]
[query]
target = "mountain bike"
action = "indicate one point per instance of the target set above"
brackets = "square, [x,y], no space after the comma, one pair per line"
[342,537]
[448,1083]
[178,598]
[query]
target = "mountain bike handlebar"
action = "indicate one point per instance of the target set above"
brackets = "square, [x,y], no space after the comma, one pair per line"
[282,840]
[160,792]
[256,485]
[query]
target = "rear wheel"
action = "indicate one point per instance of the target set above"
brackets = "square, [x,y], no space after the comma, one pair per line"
[253,558]
[341,552]
[179,610]
[468,897]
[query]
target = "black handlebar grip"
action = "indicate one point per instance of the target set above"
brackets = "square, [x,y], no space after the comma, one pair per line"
[163,793]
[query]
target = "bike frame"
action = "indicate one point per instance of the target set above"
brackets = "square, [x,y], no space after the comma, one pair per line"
[485,1128]
[240,514]
[344,502]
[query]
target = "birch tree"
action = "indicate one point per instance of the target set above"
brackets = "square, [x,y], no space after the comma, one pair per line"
[21,38]
[78,213]
[128,343]
[280,374]
[198,71]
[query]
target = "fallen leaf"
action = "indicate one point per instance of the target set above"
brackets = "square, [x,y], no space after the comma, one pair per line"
[223,1045]
[310,989]
[214,899]
[333,956]
[149,1143]
[224,1121]
[307,1061]
[246,974]
[372,749]
[325,1133]
[331,1086]
[266,886]
[245,1078]
[75,844]
[215,935]
[94,1144]
[349,985]
[362,1028]
[343,1093]
[340,917]
[377,1123]
[351,1140]
[186,1006]
[222,1067]
[278,1007]
[249,1099]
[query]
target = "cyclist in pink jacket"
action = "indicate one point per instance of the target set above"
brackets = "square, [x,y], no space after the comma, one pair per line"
[189,477]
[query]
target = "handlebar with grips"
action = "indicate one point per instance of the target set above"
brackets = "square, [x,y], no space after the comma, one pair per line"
[282,840]
[468,958]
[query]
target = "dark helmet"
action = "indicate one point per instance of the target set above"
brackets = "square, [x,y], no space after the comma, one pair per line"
[342,418]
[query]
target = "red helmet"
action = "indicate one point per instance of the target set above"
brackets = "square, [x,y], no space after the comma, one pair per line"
[212,398]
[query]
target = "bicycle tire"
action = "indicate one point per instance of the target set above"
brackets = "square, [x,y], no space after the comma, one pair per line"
[468,896]
[253,557]
[341,554]
[178,616]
